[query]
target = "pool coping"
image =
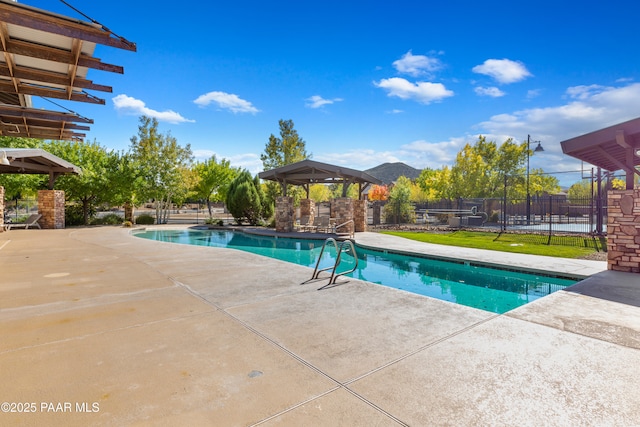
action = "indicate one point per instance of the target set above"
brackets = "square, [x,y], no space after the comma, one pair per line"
[569,268]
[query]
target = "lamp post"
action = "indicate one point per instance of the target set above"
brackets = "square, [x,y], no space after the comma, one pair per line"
[537,150]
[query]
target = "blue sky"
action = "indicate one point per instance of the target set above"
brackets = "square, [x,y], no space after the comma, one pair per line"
[365,82]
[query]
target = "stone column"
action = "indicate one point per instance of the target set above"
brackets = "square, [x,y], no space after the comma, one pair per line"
[307,208]
[1,209]
[51,207]
[343,212]
[360,215]
[623,230]
[284,214]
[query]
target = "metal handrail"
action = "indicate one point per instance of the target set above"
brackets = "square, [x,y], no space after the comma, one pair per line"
[317,272]
[340,248]
[334,276]
[342,225]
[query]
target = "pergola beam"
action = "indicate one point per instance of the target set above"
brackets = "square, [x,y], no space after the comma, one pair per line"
[51,77]
[48,53]
[25,16]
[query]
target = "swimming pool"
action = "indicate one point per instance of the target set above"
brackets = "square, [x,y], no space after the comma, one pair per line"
[465,283]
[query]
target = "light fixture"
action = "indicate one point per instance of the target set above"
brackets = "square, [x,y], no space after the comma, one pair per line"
[638,152]
[539,148]
[4,160]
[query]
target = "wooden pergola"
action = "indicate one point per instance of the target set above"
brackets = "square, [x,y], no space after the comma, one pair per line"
[613,148]
[48,55]
[307,172]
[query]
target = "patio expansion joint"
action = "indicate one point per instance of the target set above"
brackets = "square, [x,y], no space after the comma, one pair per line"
[424,347]
[303,361]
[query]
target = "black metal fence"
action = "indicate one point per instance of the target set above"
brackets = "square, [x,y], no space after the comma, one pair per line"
[546,215]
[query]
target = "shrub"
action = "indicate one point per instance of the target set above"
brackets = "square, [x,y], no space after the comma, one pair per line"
[246,201]
[73,215]
[109,219]
[127,224]
[145,219]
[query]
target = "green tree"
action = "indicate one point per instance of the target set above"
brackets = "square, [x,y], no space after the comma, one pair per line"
[161,164]
[399,209]
[212,180]
[20,186]
[246,201]
[319,193]
[288,148]
[93,186]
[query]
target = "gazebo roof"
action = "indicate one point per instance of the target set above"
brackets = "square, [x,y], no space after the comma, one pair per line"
[35,161]
[613,148]
[312,172]
[308,172]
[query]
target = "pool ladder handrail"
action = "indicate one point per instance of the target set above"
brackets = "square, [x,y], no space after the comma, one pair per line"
[339,251]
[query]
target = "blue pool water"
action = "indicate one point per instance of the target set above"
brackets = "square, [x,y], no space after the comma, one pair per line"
[463,283]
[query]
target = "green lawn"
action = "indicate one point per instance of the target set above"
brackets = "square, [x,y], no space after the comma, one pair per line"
[518,243]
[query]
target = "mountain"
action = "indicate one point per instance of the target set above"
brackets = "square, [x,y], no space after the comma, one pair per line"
[389,172]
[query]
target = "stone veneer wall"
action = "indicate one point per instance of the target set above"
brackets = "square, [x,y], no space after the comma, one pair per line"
[1,209]
[623,230]
[51,207]
[343,212]
[360,215]
[307,208]
[284,214]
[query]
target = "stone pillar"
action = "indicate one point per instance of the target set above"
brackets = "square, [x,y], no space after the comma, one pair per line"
[307,208]
[623,230]
[51,207]
[1,209]
[284,214]
[343,212]
[360,215]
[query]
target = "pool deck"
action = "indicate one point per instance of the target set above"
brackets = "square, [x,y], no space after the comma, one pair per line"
[98,327]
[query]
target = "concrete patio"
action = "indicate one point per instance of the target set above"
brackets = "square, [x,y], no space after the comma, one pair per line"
[98,327]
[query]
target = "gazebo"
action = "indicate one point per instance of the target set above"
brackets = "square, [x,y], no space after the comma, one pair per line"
[614,148]
[307,172]
[38,161]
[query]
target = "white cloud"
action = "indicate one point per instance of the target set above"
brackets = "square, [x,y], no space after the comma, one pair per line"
[136,107]
[533,93]
[585,92]
[423,154]
[493,91]
[316,101]
[358,159]
[423,92]
[589,109]
[417,65]
[226,101]
[503,70]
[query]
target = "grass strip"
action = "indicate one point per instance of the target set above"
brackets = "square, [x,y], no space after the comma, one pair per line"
[516,243]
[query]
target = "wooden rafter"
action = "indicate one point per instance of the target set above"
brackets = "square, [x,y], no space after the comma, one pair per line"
[48,53]
[51,77]
[35,63]
[36,19]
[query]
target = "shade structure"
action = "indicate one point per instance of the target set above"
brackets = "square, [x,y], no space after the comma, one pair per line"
[49,55]
[35,161]
[613,148]
[308,172]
